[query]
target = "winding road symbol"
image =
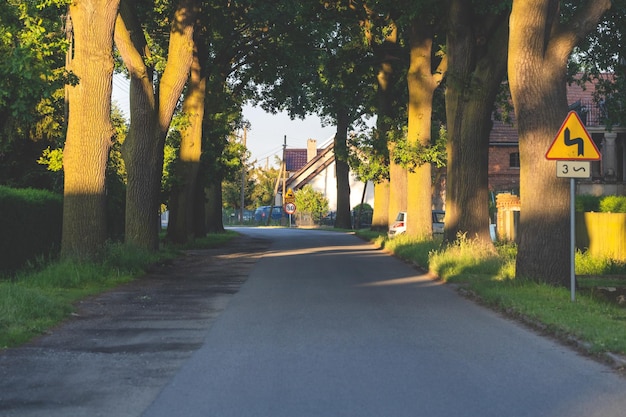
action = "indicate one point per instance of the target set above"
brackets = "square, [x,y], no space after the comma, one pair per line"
[573,142]
[576,141]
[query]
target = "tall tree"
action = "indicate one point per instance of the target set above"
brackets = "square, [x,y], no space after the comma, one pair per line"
[426,71]
[540,43]
[89,130]
[476,47]
[181,227]
[152,108]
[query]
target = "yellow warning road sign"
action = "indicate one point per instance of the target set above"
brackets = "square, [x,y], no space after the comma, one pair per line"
[290,197]
[573,142]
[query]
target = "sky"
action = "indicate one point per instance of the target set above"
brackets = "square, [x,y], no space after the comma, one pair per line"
[267,131]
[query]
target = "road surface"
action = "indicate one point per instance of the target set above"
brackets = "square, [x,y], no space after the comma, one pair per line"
[325,324]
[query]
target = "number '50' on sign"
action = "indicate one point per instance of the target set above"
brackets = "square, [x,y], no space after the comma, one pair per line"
[290,208]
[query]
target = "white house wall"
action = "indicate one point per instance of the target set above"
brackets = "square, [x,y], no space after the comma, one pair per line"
[326,183]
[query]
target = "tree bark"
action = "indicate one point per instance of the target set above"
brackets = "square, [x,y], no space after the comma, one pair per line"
[386,79]
[422,82]
[184,192]
[151,115]
[539,48]
[214,222]
[477,52]
[342,171]
[89,130]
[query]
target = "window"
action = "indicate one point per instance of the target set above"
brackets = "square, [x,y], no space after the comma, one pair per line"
[514,160]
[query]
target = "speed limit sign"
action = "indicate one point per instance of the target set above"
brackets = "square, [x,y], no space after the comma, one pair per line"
[290,208]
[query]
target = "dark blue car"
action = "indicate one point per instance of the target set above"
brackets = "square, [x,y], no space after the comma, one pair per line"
[261,213]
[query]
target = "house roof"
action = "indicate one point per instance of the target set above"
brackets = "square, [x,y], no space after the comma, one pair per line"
[505,133]
[295,159]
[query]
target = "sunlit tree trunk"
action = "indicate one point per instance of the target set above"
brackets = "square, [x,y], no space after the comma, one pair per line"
[386,79]
[476,50]
[539,48]
[151,115]
[422,81]
[89,131]
[184,191]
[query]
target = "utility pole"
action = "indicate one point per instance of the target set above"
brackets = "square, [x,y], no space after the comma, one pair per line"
[243,175]
[284,168]
[281,174]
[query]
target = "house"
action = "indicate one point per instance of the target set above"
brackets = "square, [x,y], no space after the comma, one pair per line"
[316,166]
[608,175]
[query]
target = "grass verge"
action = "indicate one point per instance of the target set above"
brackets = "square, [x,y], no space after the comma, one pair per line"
[35,300]
[593,323]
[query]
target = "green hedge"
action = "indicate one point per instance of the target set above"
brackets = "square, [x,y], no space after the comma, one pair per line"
[30,226]
[604,204]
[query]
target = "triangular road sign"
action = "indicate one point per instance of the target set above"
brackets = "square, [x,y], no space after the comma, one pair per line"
[573,142]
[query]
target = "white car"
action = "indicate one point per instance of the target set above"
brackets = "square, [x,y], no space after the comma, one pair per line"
[399,225]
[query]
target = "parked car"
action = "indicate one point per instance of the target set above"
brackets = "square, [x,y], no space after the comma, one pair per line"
[399,225]
[261,213]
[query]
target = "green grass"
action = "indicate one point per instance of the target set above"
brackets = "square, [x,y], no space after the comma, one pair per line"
[489,275]
[38,298]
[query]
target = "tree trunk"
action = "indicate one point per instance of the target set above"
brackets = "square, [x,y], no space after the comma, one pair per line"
[422,83]
[184,192]
[539,47]
[150,120]
[380,217]
[386,79]
[342,170]
[214,222]
[476,50]
[89,130]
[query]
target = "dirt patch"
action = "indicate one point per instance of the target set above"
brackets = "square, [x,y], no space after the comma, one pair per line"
[119,348]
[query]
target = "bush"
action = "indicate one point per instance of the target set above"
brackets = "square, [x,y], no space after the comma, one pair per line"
[605,204]
[613,204]
[586,203]
[31,224]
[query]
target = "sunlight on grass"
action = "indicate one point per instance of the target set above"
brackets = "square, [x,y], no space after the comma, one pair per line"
[489,275]
[40,297]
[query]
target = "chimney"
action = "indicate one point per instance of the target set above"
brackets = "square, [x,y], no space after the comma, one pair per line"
[311,149]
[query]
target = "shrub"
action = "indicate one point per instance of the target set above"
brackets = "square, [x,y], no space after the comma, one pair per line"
[587,202]
[613,204]
[31,226]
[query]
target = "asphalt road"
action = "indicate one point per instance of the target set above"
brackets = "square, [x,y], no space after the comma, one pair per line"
[324,324]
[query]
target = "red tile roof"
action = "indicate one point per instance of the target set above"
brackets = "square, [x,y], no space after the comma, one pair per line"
[296,158]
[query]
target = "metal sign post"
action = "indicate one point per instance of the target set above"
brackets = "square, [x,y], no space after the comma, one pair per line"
[572,149]
[290,208]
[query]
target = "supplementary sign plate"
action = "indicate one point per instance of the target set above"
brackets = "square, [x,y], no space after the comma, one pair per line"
[573,169]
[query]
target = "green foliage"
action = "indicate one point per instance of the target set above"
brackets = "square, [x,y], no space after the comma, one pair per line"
[603,204]
[490,276]
[34,301]
[31,64]
[466,256]
[589,265]
[366,211]
[366,159]
[265,180]
[587,202]
[31,226]
[613,204]
[310,201]
[412,156]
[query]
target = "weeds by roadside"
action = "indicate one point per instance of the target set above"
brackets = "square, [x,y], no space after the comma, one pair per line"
[490,276]
[38,298]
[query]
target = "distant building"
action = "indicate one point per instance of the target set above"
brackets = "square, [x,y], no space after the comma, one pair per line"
[608,174]
[316,166]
